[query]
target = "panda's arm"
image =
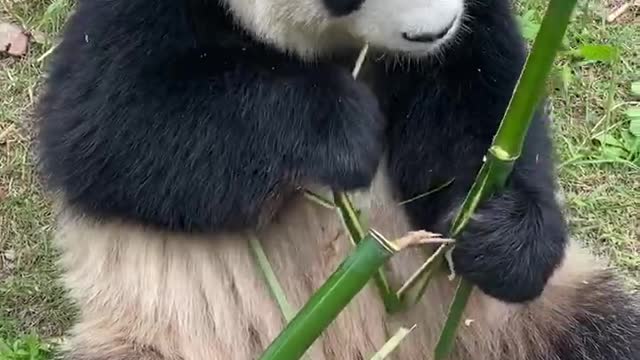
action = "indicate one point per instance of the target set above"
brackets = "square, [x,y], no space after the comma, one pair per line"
[150,129]
[442,125]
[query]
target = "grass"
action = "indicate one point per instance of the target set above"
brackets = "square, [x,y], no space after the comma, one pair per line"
[599,167]
[28,347]
[601,181]
[31,299]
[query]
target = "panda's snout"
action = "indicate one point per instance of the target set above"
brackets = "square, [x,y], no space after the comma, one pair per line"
[429,36]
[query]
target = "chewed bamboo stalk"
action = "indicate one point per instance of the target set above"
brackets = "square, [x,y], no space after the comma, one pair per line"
[507,145]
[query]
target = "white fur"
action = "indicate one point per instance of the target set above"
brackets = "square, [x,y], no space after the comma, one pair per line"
[150,295]
[306,28]
[298,26]
[381,23]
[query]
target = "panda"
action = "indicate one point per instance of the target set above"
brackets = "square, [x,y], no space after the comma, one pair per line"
[172,132]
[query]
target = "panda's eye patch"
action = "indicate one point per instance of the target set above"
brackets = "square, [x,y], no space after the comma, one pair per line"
[342,7]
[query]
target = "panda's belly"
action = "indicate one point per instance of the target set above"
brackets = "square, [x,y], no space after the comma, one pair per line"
[204,298]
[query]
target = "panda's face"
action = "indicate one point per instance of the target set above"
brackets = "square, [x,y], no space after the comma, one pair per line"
[313,27]
[413,26]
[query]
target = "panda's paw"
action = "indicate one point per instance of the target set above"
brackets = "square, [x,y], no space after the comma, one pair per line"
[353,164]
[353,138]
[510,248]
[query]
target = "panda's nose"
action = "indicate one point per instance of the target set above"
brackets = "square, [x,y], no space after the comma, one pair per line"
[426,37]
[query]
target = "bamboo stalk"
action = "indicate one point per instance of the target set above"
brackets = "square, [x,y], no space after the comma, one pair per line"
[354,227]
[353,223]
[373,250]
[334,295]
[507,144]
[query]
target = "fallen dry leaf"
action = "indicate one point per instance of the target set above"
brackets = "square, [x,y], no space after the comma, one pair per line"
[13,40]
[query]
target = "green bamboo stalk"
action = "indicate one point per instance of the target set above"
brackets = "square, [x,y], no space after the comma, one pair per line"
[354,227]
[354,223]
[333,296]
[349,216]
[507,144]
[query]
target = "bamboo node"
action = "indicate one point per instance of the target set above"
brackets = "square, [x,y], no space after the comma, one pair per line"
[501,154]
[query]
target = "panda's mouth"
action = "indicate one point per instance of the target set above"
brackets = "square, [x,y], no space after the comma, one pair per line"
[430,37]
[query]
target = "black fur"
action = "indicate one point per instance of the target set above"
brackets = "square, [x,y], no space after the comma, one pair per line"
[144,122]
[155,114]
[440,133]
[342,7]
[607,324]
[164,113]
